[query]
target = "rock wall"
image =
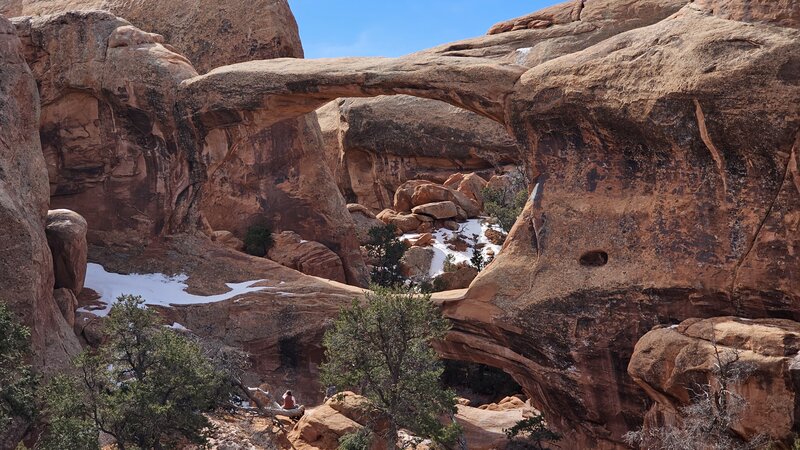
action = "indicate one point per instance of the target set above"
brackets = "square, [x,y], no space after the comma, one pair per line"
[26,266]
[666,192]
[107,128]
[121,153]
[375,145]
[761,356]
[210,34]
[666,189]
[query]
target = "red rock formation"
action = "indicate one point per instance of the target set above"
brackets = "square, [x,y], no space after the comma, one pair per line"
[309,257]
[108,133]
[666,189]
[66,237]
[26,266]
[121,155]
[669,362]
[375,145]
[209,34]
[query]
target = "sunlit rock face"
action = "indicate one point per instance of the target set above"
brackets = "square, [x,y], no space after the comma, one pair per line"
[120,154]
[666,181]
[375,145]
[210,34]
[666,188]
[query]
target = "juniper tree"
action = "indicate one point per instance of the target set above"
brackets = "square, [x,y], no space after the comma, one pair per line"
[382,348]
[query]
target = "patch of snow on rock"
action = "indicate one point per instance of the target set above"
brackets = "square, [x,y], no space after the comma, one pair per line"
[467,230]
[154,288]
[521,54]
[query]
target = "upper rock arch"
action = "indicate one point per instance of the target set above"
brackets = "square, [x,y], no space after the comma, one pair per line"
[283,88]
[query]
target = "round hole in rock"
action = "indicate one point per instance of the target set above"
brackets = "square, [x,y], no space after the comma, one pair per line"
[595,258]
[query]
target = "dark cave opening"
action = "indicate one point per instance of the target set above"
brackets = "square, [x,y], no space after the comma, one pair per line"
[478,383]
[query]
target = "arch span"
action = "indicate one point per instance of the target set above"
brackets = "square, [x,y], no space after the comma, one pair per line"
[284,88]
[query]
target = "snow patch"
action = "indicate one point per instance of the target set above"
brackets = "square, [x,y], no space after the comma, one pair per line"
[535,192]
[177,326]
[522,53]
[467,230]
[154,288]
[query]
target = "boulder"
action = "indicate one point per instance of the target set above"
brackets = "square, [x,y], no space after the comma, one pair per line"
[321,427]
[416,262]
[459,279]
[496,237]
[437,210]
[66,237]
[484,429]
[670,362]
[405,223]
[67,304]
[424,240]
[227,239]
[309,257]
[364,220]
[419,192]
[470,185]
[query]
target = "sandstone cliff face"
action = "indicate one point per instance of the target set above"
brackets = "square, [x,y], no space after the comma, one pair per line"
[26,267]
[121,153]
[668,362]
[667,188]
[107,93]
[375,145]
[210,34]
[658,200]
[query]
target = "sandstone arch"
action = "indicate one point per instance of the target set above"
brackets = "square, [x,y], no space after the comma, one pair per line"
[696,207]
[278,89]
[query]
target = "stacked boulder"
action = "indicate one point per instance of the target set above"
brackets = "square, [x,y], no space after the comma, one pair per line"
[66,237]
[423,206]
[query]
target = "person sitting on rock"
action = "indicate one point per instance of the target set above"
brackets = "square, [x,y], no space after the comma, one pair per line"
[288,400]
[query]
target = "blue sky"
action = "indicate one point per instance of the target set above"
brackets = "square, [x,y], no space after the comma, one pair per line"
[331,28]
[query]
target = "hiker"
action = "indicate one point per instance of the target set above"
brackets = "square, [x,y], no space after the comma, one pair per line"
[288,400]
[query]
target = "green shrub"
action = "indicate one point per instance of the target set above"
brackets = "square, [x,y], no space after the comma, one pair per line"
[450,263]
[147,386]
[386,252]
[70,425]
[477,261]
[533,431]
[502,207]
[258,240]
[382,347]
[359,440]
[17,380]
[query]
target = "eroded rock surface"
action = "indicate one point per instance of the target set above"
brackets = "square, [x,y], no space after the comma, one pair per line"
[121,154]
[670,363]
[656,198]
[309,257]
[107,128]
[66,237]
[210,34]
[26,266]
[375,145]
